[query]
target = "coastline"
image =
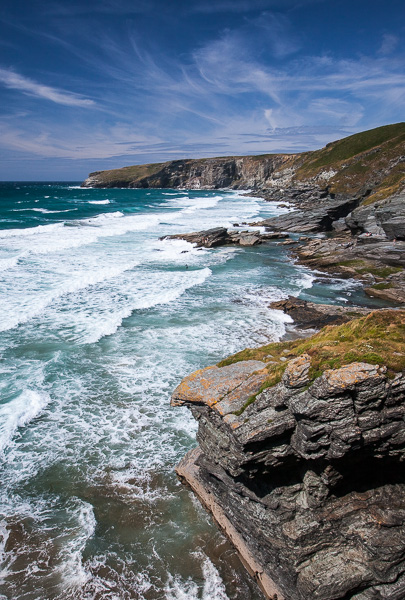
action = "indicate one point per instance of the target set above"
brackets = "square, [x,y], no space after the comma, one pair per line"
[379,272]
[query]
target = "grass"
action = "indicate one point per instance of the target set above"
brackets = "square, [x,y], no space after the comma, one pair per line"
[389,186]
[362,267]
[362,161]
[128,174]
[382,286]
[377,338]
[353,145]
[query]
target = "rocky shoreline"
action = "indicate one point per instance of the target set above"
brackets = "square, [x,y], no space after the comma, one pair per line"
[302,466]
[302,442]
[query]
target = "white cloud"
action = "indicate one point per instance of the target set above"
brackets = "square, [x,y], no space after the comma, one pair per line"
[388,44]
[29,87]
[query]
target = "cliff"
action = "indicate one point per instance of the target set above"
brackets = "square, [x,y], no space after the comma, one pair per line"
[300,459]
[368,164]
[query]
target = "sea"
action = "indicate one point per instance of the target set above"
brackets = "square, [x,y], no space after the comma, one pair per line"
[100,319]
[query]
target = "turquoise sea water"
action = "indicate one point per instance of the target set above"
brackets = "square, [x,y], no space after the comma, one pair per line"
[99,322]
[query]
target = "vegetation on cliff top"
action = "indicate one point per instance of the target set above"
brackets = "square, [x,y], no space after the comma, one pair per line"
[370,159]
[367,161]
[377,338]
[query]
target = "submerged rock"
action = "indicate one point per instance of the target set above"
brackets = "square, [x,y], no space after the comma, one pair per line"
[306,477]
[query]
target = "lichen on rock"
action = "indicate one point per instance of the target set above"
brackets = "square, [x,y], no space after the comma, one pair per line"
[310,475]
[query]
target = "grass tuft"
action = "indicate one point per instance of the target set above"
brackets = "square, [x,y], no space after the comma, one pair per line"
[377,338]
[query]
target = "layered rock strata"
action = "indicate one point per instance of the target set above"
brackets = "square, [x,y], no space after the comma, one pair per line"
[306,476]
[308,315]
[377,262]
[220,236]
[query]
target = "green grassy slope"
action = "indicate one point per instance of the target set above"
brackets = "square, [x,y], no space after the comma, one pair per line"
[370,160]
[377,338]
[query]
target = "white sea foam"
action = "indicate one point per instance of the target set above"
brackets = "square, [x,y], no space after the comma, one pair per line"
[9,263]
[18,412]
[213,587]
[108,431]
[45,211]
[40,229]
[20,310]
[102,313]
[99,202]
[71,567]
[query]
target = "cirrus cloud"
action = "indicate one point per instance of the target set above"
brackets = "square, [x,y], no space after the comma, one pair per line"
[29,87]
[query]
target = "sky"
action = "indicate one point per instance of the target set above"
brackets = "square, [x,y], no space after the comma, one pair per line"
[99,84]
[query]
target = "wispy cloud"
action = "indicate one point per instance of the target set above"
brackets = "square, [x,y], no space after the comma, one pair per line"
[29,87]
[239,6]
[389,44]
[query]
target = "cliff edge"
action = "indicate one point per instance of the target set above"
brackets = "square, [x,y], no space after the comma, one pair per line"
[301,459]
[368,164]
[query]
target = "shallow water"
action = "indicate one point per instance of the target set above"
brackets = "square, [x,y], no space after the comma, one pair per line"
[100,321]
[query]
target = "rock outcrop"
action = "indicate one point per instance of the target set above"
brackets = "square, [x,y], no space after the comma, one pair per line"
[384,218]
[320,217]
[302,465]
[377,262]
[238,172]
[308,315]
[220,236]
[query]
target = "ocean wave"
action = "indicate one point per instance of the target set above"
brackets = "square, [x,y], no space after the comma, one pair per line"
[213,586]
[90,328]
[9,263]
[38,230]
[33,306]
[19,412]
[99,201]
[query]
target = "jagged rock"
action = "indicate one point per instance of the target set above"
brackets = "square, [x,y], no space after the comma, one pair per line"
[307,479]
[376,261]
[319,217]
[385,218]
[220,236]
[308,315]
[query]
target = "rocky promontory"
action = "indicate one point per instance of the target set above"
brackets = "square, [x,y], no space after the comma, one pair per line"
[301,459]
[220,236]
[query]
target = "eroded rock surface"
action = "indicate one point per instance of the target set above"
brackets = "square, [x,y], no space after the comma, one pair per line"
[310,474]
[308,315]
[220,236]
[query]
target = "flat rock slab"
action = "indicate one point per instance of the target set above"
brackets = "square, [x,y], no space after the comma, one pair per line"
[309,315]
[226,389]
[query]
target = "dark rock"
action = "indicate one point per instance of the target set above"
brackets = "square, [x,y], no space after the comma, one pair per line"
[317,218]
[307,480]
[220,236]
[210,238]
[308,315]
[377,262]
[385,218]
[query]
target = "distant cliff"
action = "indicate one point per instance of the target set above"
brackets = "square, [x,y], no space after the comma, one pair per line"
[205,173]
[300,459]
[369,164]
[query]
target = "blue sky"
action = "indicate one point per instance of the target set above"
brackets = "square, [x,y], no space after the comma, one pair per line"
[94,85]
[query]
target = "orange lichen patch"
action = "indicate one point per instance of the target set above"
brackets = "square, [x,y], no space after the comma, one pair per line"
[296,373]
[350,375]
[188,391]
[209,386]
[237,397]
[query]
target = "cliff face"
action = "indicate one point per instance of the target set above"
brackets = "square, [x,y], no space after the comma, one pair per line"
[210,173]
[368,164]
[360,176]
[301,464]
